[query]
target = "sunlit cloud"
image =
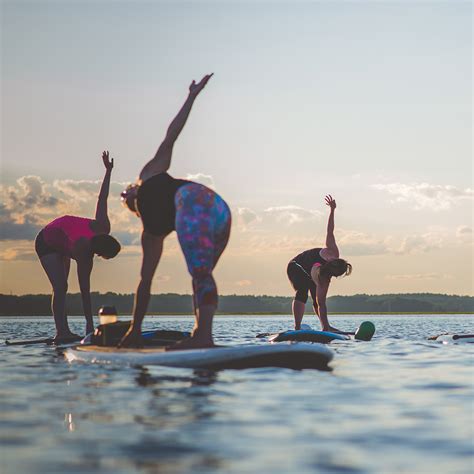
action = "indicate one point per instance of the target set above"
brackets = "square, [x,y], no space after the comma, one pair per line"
[201,178]
[243,283]
[353,243]
[420,196]
[413,244]
[420,276]
[17,250]
[292,214]
[464,234]
[246,217]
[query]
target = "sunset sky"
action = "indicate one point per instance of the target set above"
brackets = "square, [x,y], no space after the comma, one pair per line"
[368,101]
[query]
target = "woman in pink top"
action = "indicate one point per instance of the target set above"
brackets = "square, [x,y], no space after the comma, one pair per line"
[76,238]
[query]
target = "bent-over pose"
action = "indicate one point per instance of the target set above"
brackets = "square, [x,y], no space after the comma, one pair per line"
[202,221]
[312,271]
[77,238]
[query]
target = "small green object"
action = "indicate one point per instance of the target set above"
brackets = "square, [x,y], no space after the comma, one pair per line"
[365,332]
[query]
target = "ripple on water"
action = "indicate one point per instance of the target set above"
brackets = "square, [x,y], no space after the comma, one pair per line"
[396,394]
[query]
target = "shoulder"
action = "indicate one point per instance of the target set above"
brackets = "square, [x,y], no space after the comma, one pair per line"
[99,227]
[328,254]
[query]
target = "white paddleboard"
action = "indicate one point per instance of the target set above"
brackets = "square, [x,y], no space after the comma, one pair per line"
[290,355]
[454,338]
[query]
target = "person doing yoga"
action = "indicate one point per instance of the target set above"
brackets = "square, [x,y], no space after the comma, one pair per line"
[312,271]
[79,239]
[201,219]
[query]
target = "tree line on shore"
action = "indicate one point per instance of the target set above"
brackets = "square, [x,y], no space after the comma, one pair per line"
[172,303]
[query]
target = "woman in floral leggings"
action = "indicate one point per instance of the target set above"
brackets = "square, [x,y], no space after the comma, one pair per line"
[202,221]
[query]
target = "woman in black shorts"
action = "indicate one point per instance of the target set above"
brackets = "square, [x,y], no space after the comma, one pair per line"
[312,271]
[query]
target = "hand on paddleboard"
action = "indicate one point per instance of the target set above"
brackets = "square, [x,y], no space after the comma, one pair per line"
[132,338]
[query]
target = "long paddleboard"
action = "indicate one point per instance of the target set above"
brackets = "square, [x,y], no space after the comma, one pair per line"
[42,340]
[151,337]
[364,333]
[292,355]
[453,338]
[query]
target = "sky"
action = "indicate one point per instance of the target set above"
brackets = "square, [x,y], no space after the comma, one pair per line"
[370,102]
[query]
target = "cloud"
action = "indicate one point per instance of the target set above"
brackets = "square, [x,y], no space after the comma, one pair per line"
[358,244]
[420,276]
[419,243]
[426,196]
[464,233]
[26,207]
[292,214]
[201,178]
[243,283]
[246,217]
[17,250]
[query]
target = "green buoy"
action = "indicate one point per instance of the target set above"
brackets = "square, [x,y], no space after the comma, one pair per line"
[365,332]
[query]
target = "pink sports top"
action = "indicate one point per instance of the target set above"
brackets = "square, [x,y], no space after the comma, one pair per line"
[63,233]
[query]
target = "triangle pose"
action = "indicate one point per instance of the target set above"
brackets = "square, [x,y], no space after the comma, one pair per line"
[201,219]
[312,271]
[79,239]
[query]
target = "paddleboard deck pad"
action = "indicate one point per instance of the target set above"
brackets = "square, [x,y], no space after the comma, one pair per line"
[453,338]
[291,355]
[364,333]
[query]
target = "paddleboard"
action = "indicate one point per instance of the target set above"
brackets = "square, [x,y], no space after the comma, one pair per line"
[42,340]
[453,338]
[364,333]
[291,355]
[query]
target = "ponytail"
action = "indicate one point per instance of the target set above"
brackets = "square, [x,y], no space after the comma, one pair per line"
[325,271]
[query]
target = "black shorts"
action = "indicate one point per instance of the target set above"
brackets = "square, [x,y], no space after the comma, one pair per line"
[301,281]
[41,247]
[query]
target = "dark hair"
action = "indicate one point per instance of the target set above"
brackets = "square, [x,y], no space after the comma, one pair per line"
[105,245]
[336,267]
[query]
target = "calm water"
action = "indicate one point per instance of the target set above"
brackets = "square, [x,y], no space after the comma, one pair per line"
[397,404]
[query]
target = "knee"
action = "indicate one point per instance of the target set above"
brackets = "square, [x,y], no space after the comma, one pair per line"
[60,288]
[301,296]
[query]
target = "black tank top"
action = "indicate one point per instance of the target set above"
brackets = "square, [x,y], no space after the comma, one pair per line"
[155,202]
[308,258]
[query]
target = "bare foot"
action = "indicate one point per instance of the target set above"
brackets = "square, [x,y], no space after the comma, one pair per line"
[191,343]
[66,337]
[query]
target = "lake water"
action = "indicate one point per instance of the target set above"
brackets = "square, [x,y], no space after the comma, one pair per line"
[397,404]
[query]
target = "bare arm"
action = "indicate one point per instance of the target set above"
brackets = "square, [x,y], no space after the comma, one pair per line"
[162,159]
[321,292]
[101,215]
[84,269]
[330,239]
[152,249]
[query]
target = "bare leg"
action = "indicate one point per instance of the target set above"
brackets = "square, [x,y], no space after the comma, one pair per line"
[55,268]
[298,313]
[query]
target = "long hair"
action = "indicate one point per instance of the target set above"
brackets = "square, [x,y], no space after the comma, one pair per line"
[336,268]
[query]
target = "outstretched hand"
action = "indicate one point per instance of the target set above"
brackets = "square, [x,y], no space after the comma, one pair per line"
[108,163]
[194,88]
[330,202]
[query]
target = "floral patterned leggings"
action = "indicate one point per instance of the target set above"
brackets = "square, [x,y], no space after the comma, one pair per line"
[203,222]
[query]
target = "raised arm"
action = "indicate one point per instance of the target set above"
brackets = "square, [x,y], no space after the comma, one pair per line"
[162,159]
[330,239]
[101,215]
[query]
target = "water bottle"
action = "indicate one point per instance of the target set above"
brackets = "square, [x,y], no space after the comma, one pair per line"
[107,314]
